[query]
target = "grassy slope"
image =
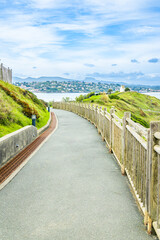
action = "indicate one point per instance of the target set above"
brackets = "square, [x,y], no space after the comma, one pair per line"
[16,108]
[144,108]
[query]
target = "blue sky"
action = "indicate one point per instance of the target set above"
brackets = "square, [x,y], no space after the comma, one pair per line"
[109,39]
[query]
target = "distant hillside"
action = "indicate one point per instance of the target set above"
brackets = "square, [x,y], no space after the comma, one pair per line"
[16,108]
[143,108]
[41,79]
[116,78]
[61,79]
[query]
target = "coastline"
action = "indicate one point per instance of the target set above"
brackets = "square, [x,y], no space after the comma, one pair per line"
[58,96]
[153,94]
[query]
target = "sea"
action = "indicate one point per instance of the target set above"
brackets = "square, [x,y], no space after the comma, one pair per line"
[154,94]
[56,97]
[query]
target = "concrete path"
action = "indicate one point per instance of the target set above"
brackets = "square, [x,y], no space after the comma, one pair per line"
[72,188]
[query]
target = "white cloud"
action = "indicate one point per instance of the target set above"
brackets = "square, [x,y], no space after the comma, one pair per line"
[47,4]
[29,41]
[144,30]
[57,38]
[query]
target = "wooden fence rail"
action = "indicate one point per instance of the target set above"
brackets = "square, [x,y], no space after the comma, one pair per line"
[137,150]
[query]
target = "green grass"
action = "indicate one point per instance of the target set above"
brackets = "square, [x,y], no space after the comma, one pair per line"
[16,107]
[143,108]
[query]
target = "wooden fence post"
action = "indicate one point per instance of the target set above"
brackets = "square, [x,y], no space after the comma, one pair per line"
[96,117]
[83,109]
[103,132]
[86,111]
[112,111]
[153,174]
[99,120]
[147,200]
[92,113]
[126,115]
[158,194]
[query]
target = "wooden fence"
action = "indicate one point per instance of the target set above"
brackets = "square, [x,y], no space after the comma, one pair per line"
[137,150]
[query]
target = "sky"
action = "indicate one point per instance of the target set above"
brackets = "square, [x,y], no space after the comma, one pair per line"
[103,39]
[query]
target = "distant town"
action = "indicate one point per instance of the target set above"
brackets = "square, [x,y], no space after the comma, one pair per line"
[80,86]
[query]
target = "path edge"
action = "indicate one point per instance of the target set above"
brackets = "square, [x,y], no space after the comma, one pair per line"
[18,169]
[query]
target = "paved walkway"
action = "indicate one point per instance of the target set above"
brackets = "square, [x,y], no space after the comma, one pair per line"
[71,189]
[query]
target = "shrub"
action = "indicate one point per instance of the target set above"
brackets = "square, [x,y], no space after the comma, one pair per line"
[36,100]
[127,89]
[142,113]
[66,99]
[99,101]
[28,111]
[90,95]
[126,101]
[139,120]
[105,98]
[45,103]
[114,96]
[50,103]
[109,91]
[25,93]
[80,98]
[155,104]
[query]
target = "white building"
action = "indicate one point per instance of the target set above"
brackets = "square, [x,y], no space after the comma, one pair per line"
[122,88]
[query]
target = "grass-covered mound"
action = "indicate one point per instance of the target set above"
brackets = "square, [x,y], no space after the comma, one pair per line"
[143,108]
[16,108]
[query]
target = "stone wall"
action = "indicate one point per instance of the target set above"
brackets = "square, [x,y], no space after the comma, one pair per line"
[13,143]
[5,74]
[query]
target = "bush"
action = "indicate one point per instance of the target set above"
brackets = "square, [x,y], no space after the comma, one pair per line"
[139,120]
[45,103]
[90,95]
[66,99]
[126,101]
[99,101]
[109,91]
[50,103]
[114,96]
[80,98]
[29,111]
[155,104]
[127,89]
[36,100]
[105,98]
[142,113]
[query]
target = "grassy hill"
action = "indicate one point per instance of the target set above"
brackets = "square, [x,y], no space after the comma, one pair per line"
[143,108]
[16,108]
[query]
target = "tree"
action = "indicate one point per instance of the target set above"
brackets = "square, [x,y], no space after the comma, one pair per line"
[127,89]
[50,104]
[80,98]
[109,91]
[66,99]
